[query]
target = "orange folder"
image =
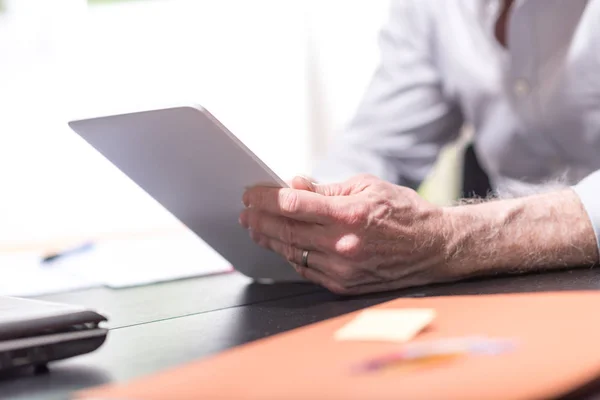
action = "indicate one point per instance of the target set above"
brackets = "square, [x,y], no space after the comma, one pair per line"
[557,338]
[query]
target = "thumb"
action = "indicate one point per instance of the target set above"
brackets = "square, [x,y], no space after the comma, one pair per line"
[304,183]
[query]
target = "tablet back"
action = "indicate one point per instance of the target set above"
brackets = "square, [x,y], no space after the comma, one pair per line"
[192,165]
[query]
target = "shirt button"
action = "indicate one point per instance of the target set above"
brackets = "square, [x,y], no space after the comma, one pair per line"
[521,87]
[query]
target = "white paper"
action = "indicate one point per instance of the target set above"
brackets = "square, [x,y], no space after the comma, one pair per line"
[115,264]
[136,262]
[23,275]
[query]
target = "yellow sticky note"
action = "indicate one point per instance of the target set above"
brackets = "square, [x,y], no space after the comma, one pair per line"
[390,325]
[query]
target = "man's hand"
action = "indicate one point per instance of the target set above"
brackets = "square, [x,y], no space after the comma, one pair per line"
[367,235]
[363,235]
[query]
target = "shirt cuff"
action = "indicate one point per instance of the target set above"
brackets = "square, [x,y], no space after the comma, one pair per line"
[588,191]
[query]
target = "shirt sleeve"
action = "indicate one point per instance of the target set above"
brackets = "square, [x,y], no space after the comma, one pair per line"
[404,118]
[588,191]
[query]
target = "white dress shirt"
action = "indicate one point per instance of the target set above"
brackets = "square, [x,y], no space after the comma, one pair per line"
[534,105]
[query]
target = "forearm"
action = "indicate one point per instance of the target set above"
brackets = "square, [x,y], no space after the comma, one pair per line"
[518,235]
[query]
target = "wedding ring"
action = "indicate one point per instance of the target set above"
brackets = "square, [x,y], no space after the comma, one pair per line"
[305,258]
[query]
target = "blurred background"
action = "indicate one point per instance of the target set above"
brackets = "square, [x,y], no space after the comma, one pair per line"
[284,76]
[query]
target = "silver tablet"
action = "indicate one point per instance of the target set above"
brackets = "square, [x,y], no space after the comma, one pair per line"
[198,170]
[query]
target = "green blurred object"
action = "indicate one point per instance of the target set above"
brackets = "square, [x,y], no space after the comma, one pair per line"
[2,6]
[442,186]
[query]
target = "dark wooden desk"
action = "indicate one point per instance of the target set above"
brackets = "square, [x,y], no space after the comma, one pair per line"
[160,326]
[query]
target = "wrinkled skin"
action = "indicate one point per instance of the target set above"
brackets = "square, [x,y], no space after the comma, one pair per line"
[364,235]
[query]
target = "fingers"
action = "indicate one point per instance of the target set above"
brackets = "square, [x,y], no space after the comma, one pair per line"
[295,233]
[316,276]
[324,271]
[330,190]
[316,259]
[334,285]
[401,283]
[340,275]
[303,183]
[306,200]
[300,205]
[317,262]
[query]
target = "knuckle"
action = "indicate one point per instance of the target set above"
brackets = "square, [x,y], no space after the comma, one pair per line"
[248,198]
[301,271]
[289,254]
[403,190]
[349,246]
[357,214]
[258,238]
[346,274]
[366,177]
[263,242]
[288,202]
[361,211]
[257,198]
[323,242]
[366,180]
[255,222]
[406,195]
[338,288]
[382,208]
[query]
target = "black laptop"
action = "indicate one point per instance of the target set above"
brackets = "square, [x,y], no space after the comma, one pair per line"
[34,333]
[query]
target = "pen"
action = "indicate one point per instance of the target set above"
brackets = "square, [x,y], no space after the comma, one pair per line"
[49,258]
[441,349]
